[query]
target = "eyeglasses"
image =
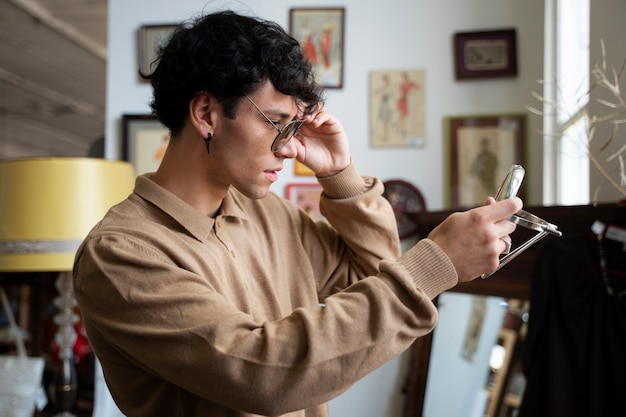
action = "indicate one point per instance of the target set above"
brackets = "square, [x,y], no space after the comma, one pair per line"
[285,134]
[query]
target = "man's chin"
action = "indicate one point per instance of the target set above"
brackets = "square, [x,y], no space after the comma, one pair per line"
[254,193]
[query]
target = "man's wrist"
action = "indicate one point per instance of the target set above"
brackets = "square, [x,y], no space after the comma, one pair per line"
[336,171]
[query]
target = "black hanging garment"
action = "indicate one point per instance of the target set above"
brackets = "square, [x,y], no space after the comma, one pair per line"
[575,353]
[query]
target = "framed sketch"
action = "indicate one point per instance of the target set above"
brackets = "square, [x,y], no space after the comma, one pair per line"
[482,149]
[150,38]
[320,31]
[397,116]
[307,196]
[144,140]
[485,54]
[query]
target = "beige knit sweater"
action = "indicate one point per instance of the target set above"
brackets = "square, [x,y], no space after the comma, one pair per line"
[259,311]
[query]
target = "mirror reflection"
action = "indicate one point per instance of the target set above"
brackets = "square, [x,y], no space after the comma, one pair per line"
[478,341]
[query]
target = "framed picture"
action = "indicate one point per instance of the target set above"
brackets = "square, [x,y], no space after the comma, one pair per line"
[302,170]
[144,140]
[397,112]
[482,149]
[485,54]
[150,38]
[320,31]
[307,196]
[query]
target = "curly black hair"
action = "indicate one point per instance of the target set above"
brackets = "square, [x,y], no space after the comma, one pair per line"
[228,55]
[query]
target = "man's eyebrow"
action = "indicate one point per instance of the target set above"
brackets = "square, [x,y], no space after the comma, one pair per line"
[277,113]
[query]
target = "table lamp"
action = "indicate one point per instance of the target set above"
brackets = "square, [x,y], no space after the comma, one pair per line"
[47,207]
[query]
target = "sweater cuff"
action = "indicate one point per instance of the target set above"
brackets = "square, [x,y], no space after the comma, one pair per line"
[430,267]
[347,183]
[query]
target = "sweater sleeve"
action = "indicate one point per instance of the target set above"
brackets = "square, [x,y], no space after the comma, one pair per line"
[365,225]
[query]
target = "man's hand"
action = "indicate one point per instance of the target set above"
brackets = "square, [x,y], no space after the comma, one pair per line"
[322,144]
[474,239]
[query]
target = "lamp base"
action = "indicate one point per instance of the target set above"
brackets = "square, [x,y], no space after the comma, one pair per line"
[65,379]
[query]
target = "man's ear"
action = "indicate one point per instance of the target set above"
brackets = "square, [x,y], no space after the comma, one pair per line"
[202,113]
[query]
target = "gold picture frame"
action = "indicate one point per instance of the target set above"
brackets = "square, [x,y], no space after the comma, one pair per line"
[300,169]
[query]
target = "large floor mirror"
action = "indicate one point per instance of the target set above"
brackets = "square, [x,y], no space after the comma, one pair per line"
[471,364]
[475,365]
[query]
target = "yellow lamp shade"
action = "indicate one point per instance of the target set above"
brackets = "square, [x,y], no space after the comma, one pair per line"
[48,205]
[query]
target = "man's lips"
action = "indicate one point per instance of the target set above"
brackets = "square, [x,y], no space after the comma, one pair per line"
[272,174]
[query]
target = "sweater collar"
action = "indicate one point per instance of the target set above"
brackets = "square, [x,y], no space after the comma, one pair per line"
[196,223]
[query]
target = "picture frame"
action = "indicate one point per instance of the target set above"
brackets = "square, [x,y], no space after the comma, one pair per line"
[302,170]
[320,31]
[397,108]
[481,150]
[306,196]
[144,140]
[150,37]
[485,54]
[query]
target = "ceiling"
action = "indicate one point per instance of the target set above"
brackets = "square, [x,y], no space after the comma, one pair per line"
[52,77]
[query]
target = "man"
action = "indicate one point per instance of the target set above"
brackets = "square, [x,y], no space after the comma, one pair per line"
[205,295]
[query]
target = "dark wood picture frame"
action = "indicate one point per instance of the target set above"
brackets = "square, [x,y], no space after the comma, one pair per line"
[320,31]
[150,37]
[144,140]
[485,54]
[481,150]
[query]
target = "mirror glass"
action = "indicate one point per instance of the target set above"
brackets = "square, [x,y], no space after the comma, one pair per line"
[475,364]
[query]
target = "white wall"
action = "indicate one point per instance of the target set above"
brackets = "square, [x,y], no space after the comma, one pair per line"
[380,35]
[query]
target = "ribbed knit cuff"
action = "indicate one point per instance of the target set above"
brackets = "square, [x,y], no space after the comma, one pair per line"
[430,268]
[348,183]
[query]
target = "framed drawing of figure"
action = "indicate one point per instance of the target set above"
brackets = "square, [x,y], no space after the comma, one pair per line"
[482,149]
[320,31]
[397,108]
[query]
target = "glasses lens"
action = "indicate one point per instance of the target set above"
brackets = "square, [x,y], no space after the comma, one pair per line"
[286,134]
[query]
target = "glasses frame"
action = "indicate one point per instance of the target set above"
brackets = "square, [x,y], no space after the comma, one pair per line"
[281,132]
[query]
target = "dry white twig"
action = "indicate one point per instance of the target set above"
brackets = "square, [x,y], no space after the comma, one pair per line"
[608,80]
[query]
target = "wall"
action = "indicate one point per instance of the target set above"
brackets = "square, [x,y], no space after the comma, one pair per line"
[380,35]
